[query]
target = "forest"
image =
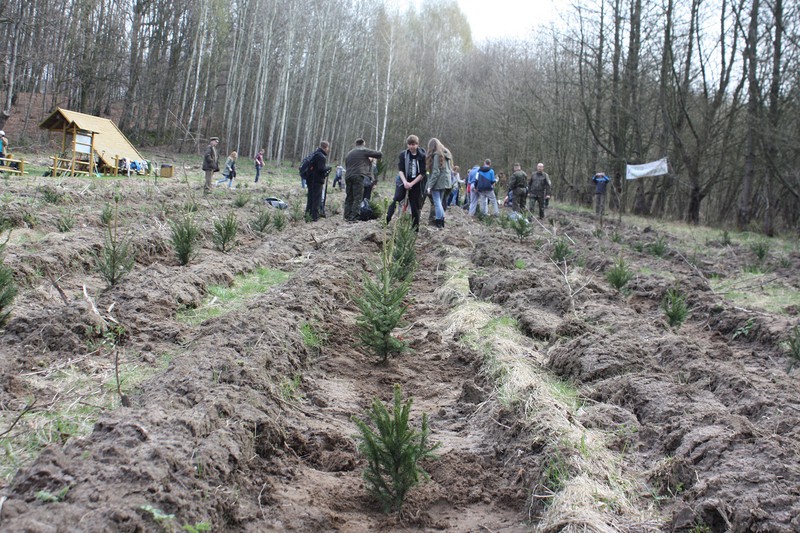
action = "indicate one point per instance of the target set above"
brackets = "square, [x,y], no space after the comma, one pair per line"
[710,84]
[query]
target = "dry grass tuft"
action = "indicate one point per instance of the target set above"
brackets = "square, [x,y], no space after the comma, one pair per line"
[585,486]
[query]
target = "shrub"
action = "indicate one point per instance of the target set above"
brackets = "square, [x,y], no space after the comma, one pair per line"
[726,238]
[241,198]
[29,217]
[107,215]
[793,346]
[225,231]
[52,196]
[297,213]
[620,274]
[262,221]
[521,226]
[185,234]
[394,451]
[190,206]
[378,209]
[404,255]
[659,247]
[674,305]
[8,289]
[760,249]
[561,250]
[116,259]
[65,222]
[381,305]
[279,220]
[616,237]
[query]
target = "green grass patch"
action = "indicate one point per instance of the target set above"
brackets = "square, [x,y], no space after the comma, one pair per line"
[752,290]
[222,300]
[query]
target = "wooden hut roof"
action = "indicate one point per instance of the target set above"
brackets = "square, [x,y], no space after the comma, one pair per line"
[109,141]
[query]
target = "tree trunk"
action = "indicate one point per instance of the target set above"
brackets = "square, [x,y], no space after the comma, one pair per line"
[751,62]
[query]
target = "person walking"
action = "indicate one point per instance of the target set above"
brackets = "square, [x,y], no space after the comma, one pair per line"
[539,190]
[440,162]
[359,168]
[600,181]
[456,182]
[230,170]
[411,166]
[259,162]
[210,163]
[338,177]
[316,181]
[518,188]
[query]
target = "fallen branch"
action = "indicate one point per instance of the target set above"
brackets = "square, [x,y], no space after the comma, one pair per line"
[19,416]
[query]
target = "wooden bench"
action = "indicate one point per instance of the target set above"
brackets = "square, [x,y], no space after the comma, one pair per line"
[6,162]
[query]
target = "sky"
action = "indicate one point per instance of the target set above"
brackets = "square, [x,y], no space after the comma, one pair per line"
[494,19]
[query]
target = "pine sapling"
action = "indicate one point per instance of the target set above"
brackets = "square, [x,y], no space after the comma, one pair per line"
[381,305]
[674,305]
[116,259]
[393,451]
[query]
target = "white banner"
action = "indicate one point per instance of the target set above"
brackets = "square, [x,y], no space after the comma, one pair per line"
[655,168]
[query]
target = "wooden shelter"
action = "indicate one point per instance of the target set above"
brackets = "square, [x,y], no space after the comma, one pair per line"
[89,144]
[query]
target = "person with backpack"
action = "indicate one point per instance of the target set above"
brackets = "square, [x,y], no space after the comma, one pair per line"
[315,178]
[230,170]
[259,162]
[210,163]
[600,181]
[518,188]
[358,163]
[484,185]
[411,164]
[539,190]
[440,162]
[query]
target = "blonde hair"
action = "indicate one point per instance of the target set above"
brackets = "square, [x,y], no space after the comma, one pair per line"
[435,146]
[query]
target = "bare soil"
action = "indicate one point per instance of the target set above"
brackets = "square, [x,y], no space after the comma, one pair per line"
[706,416]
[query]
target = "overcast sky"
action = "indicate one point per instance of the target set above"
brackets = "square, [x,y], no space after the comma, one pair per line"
[490,19]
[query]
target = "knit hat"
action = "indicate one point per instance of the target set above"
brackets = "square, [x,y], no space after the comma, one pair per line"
[214,139]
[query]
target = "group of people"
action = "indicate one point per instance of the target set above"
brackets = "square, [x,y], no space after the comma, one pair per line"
[421,172]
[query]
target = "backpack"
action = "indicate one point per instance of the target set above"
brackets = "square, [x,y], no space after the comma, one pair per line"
[484,183]
[366,213]
[306,166]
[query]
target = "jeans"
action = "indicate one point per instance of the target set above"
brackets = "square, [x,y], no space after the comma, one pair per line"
[436,195]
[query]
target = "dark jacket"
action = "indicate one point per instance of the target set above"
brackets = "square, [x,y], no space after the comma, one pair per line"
[357,161]
[211,159]
[518,180]
[319,163]
[420,158]
[539,184]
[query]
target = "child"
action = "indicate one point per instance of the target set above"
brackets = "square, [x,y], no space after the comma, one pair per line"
[230,170]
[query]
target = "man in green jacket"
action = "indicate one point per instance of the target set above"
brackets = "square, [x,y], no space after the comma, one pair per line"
[518,187]
[358,166]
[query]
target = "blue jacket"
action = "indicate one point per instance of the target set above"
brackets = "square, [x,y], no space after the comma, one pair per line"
[600,183]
